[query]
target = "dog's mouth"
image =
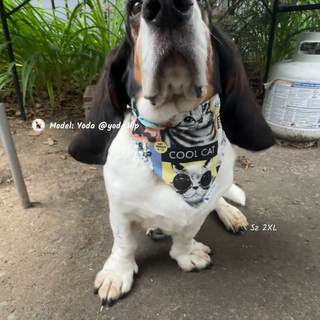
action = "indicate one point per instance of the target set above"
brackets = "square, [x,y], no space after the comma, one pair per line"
[177,62]
[176,71]
[181,67]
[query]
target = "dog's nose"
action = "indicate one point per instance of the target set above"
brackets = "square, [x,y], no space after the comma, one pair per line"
[169,14]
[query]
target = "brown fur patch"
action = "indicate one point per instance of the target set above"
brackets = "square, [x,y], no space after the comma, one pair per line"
[135,28]
[210,70]
[205,17]
[137,62]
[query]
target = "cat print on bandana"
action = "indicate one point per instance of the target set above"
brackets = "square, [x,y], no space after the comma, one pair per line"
[186,152]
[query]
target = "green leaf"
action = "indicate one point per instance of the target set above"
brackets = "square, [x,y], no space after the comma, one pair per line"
[51,95]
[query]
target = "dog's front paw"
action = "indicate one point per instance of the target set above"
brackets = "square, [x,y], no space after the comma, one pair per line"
[115,279]
[196,259]
[232,218]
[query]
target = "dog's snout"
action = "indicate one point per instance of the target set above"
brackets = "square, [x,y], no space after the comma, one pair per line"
[169,14]
[182,5]
[151,10]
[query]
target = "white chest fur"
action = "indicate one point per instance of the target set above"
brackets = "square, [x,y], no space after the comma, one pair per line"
[139,194]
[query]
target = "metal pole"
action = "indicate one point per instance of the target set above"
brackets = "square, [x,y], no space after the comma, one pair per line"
[266,5]
[306,7]
[53,5]
[10,150]
[11,57]
[271,38]
[17,8]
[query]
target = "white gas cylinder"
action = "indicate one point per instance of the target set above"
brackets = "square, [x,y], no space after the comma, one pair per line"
[291,104]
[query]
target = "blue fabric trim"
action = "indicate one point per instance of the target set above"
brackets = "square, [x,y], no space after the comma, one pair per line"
[143,121]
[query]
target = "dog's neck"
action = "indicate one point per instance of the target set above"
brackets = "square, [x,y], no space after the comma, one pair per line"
[164,112]
[142,120]
[160,116]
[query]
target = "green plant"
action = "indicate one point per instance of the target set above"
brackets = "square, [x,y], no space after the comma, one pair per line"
[54,54]
[250,28]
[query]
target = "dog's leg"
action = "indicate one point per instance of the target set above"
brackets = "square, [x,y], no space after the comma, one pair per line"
[190,254]
[236,195]
[232,217]
[116,277]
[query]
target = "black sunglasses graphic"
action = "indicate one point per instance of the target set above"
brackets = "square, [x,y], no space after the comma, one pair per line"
[182,182]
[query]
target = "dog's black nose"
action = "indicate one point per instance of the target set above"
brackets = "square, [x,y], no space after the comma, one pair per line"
[167,13]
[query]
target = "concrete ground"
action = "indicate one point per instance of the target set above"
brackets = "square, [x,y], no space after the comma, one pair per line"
[50,254]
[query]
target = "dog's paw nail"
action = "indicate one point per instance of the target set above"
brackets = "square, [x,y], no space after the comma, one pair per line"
[110,303]
[103,302]
[95,290]
[135,275]
[123,295]
[209,265]
[195,269]
[242,228]
[211,253]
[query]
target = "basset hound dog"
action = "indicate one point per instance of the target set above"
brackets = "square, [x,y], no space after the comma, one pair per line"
[176,98]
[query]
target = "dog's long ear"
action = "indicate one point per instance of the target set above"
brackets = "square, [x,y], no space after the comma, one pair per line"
[241,116]
[108,105]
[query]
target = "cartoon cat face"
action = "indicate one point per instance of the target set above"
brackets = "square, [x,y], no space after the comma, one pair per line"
[192,182]
[195,119]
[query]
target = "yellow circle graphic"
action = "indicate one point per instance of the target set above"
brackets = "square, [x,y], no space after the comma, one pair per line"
[160,146]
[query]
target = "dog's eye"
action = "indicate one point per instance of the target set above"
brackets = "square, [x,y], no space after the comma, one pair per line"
[136,9]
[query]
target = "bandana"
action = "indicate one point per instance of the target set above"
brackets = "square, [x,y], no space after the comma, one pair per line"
[185,152]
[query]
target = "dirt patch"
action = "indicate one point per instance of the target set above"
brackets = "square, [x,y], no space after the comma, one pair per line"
[49,254]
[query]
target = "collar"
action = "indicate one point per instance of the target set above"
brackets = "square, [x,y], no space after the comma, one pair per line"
[143,121]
